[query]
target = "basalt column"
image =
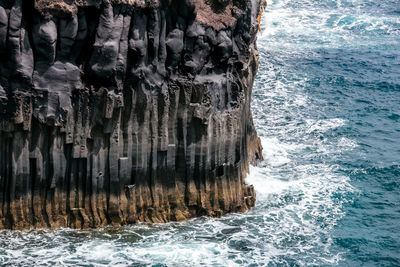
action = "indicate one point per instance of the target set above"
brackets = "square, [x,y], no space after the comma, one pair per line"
[124,111]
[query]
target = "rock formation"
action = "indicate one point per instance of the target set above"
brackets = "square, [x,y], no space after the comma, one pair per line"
[124,111]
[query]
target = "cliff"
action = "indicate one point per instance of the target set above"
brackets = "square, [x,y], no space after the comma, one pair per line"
[124,111]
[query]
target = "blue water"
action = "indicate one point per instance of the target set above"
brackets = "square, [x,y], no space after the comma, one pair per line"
[326,104]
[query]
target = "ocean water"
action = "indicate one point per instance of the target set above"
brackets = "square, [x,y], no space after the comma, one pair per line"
[326,104]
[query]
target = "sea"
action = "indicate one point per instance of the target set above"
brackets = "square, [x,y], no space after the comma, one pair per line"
[326,104]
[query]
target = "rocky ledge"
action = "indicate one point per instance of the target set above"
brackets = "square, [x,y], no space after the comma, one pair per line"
[124,111]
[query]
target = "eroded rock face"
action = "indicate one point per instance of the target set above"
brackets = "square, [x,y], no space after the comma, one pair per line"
[114,112]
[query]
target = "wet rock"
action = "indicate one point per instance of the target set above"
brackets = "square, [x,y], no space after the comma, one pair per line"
[125,111]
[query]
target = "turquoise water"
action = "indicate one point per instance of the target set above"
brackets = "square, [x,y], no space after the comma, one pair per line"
[326,104]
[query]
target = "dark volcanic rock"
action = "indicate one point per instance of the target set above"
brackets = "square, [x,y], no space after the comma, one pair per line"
[114,112]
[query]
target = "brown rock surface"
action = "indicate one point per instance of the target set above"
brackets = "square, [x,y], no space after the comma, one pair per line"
[115,112]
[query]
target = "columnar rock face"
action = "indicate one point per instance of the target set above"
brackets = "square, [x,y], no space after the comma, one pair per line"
[124,111]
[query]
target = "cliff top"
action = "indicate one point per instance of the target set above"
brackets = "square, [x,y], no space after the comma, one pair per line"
[218,14]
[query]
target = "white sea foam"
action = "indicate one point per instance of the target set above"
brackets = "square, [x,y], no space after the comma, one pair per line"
[310,24]
[324,125]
